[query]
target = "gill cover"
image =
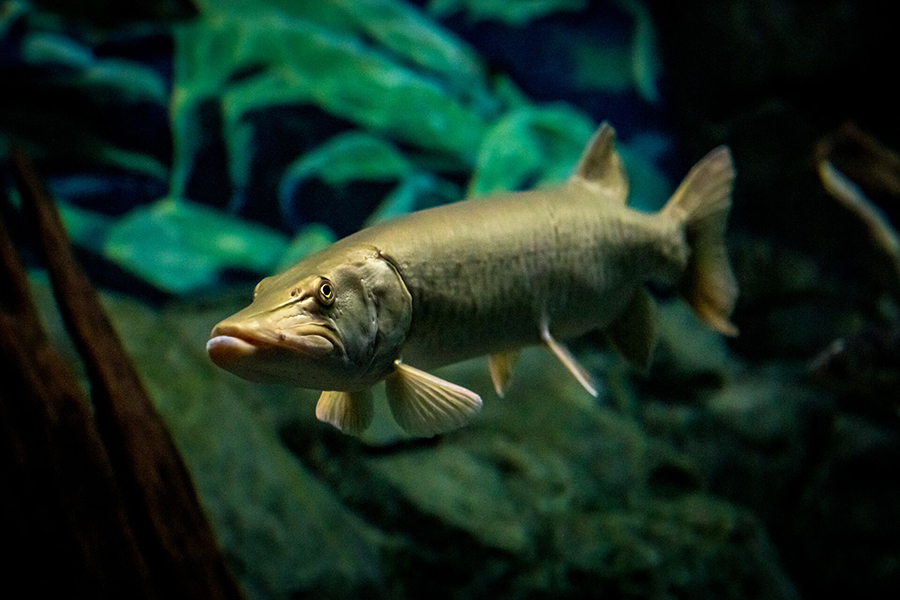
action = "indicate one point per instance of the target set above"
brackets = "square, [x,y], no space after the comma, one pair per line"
[372,312]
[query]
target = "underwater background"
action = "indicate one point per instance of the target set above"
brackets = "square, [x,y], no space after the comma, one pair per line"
[194,147]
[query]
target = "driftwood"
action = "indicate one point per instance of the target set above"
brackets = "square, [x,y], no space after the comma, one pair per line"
[852,167]
[95,499]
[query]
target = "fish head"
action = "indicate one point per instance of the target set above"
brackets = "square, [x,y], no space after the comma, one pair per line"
[335,321]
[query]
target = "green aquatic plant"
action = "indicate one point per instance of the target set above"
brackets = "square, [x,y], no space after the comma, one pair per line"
[271,95]
[417,191]
[89,228]
[527,146]
[309,239]
[406,82]
[360,158]
[511,12]
[181,247]
[538,145]
[344,159]
[55,110]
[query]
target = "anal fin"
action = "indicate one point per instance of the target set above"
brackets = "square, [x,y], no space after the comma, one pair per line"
[501,366]
[351,412]
[566,358]
[425,405]
[633,334]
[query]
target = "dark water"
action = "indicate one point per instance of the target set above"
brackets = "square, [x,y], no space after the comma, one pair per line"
[190,158]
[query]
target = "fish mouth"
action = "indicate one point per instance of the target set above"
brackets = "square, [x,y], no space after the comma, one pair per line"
[229,343]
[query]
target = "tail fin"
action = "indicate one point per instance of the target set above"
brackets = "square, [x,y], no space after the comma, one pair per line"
[702,203]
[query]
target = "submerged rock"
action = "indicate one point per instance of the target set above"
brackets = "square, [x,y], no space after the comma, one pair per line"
[546,493]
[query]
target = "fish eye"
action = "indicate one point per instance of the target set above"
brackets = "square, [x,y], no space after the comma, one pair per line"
[325,290]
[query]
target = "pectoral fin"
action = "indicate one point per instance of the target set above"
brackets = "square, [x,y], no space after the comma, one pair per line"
[351,412]
[425,405]
[633,334]
[566,358]
[501,366]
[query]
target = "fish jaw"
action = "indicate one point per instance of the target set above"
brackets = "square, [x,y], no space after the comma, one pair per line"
[312,339]
[264,355]
[226,350]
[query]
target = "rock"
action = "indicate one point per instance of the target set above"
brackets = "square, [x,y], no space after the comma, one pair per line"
[791,306]
[545,493]
[846,526]
[283,531]
[864,369]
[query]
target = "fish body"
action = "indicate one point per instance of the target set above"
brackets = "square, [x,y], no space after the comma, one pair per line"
[484,277]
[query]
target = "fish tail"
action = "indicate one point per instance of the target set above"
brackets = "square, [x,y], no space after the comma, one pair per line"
[701,203]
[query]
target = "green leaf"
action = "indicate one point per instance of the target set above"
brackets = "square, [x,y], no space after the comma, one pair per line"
[345,158]
[417,191]
[421,87]
[530,146]
[397,28]
[57,114]
[98,77]
[182,247]
[85,228]
[351,156]
[512,12]
[645,62]
[416,39]
[310,239]
[310,65]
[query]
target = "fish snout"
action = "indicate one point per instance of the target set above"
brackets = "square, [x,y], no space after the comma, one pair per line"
[228,345]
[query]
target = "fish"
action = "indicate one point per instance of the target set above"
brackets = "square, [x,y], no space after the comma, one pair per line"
[485,277]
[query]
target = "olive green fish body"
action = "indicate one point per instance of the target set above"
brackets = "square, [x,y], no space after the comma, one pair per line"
[484,277]
[484,274]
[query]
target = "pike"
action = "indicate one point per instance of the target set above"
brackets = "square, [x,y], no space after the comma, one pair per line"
[484,277]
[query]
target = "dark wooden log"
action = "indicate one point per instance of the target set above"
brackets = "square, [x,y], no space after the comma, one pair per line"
[64,525]
[172,534]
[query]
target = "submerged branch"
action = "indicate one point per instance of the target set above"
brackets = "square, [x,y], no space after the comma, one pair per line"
[156,524]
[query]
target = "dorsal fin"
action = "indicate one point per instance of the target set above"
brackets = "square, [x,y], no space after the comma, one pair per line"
[600,166]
